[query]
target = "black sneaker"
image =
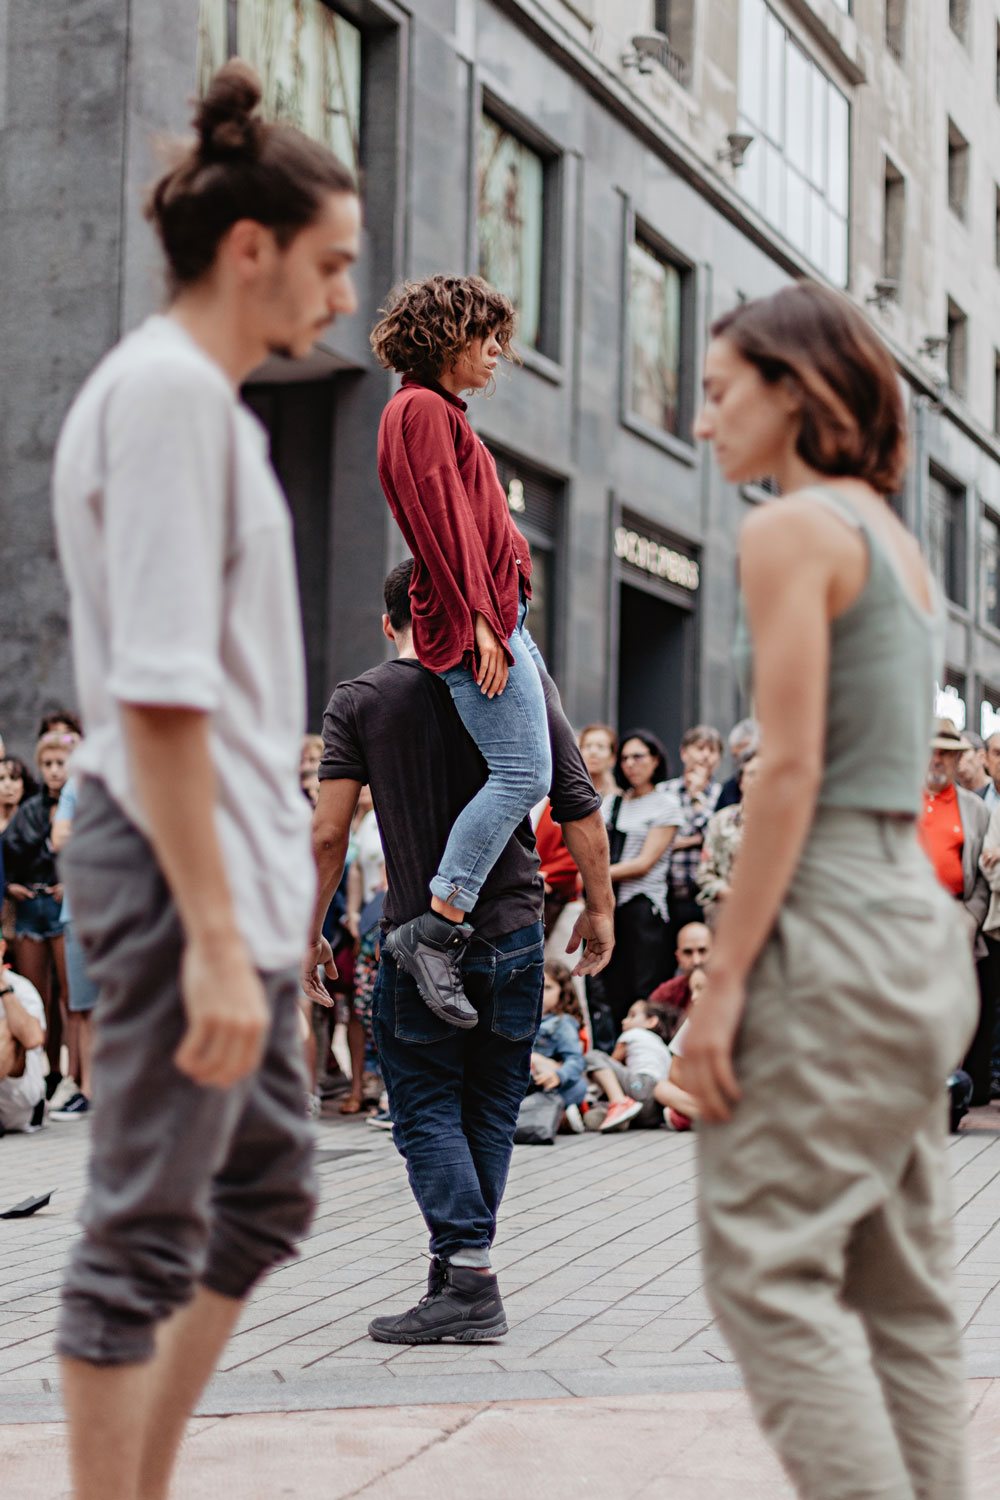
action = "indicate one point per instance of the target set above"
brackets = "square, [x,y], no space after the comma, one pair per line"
[462,1306]
[431,949]
[73,1109]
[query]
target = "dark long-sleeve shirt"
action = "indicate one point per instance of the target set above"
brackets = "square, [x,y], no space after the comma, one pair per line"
[27,846]
[442,487]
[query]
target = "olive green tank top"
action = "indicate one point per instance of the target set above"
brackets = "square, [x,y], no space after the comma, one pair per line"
[886,654]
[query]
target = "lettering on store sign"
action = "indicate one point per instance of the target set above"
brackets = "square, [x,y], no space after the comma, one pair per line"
[656,559]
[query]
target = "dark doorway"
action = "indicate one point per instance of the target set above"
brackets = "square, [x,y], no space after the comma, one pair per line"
[654,668]
[299,419]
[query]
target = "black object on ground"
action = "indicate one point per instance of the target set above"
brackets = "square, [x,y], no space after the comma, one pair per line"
[27,1206]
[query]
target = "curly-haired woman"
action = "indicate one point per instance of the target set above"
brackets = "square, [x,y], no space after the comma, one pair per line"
[469,596]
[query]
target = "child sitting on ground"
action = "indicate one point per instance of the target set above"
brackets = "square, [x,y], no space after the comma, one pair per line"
[557,1053]
[640,1061]
[469,596]
[679,1106]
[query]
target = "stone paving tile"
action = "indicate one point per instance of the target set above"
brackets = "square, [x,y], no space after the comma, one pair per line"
[597,1253]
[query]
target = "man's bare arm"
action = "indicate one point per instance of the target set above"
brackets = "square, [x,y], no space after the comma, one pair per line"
[24,1028]
[587,841]
[227,1010]
[331,832]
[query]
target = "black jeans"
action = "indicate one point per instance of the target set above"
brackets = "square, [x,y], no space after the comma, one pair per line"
[454,1095]
[639,963]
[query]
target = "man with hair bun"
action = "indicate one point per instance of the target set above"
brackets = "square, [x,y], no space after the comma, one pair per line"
[189,866]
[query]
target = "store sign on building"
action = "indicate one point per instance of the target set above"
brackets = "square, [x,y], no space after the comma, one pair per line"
[657,558]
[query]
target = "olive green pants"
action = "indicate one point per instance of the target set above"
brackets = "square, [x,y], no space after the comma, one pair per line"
[824,1200]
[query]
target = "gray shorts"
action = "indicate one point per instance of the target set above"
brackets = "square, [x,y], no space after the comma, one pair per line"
[186,1184]
[637,1085]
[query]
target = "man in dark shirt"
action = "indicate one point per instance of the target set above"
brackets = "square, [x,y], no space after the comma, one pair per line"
[454,1095]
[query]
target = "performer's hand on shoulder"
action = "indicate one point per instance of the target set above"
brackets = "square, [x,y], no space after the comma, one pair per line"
[227,1010]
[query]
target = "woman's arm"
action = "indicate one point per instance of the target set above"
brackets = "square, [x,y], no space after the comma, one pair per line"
[788,568]
[655,846]
[571,1050]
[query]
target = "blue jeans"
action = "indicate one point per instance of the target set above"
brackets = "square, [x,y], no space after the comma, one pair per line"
[511,732]
[454,1095]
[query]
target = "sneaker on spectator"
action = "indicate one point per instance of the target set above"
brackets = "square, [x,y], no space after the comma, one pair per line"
[65,1090]
[380,1120]
[574,1119]
[620,1113]
[73,1109]
[674,1120]
[595,1116]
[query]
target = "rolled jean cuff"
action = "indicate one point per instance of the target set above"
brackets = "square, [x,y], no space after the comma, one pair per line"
[475,1259]
[454,895]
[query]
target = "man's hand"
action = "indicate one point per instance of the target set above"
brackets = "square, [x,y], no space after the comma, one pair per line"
[319,955]
[228,1014]
[987,859]
[596,931]
[708,1047]
[493,664]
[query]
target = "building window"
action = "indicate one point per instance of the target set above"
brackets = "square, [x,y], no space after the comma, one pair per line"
[797,171]
[958,18]
[958,349]
[656,311]
[895,28]
[893,222]
[511,224]
[674,19]
[537,503]
[946,536]
[989,711]
[308,58]
[958,170]
[989,569]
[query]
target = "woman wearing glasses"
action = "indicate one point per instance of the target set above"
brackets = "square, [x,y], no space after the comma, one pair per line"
[642,820]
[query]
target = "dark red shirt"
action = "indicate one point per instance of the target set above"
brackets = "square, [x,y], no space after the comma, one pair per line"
[442,487]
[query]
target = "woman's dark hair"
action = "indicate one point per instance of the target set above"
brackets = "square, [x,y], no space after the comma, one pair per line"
[568,1003]
[396,593]
[239,167]
[60,716]
[661,769]
[15,767]
[426,325]
[853,419]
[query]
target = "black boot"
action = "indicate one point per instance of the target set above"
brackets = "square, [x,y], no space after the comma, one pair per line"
[462,1306]
[431,949]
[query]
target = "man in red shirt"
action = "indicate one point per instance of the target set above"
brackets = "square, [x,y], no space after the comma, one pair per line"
[952,828]
[694,943]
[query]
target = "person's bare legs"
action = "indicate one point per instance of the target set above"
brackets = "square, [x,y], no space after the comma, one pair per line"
[107,1409]
[33,962]
[356,1047]
[126,1422]
[608,1084]
[187,1351]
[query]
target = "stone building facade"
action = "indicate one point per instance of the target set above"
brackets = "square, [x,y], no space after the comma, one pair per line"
[627,170]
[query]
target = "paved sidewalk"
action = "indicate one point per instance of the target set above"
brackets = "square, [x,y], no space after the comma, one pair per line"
[597,1255]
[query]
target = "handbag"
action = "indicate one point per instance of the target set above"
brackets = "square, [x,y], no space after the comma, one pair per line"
[616,835]
[538,1119]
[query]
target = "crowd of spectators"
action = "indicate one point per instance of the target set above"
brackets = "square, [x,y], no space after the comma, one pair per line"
[610,1051]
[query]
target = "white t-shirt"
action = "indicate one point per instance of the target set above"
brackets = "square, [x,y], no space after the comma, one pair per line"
[176,543]
[636,816]
[19,1096]
[371,860]
[645,1052]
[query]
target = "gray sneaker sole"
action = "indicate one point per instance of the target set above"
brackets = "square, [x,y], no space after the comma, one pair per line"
[428,994]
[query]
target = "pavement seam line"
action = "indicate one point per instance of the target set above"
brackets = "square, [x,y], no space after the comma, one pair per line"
[440,1437]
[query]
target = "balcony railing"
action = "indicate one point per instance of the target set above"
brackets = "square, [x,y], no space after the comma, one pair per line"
[659,48]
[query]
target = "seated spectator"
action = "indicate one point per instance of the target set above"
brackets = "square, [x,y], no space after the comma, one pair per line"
[743,737]
[34,883]
[680,1107]
[694,944]
[640,1061]
[722,841]
[557,1051]
[22,1051]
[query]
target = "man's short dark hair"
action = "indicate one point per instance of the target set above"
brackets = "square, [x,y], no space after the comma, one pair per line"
[396,594]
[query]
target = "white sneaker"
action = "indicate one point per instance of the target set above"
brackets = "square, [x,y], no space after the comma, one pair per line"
[574,1119]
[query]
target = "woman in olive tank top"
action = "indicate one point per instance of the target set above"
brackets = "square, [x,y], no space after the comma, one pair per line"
[841,986]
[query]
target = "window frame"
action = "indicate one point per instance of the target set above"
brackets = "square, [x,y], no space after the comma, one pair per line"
[680,444]
[546,357]
[987,515]
[956,568]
